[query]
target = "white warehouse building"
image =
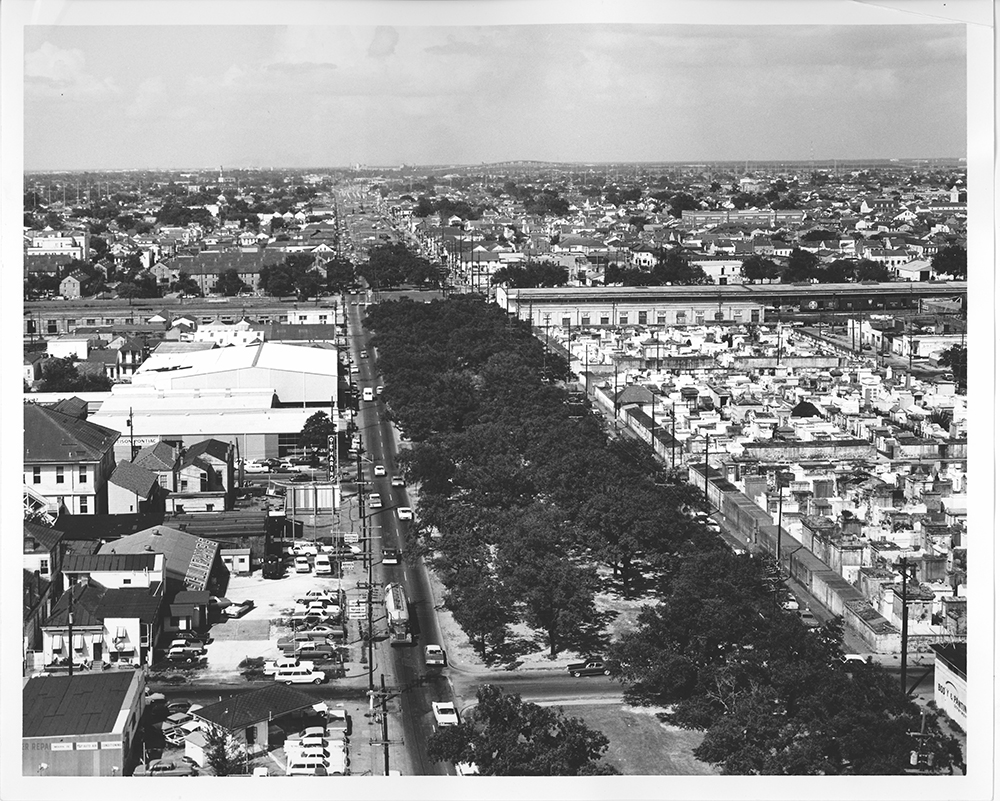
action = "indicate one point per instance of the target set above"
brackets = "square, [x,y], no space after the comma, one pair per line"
[297,374]
[257,397]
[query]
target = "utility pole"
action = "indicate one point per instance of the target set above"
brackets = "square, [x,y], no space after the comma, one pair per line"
[907,571]
[673,435]
[781,508]
[69,644]
[385,726]
[706,466]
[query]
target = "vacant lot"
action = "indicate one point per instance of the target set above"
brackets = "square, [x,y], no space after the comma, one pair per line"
[640,744]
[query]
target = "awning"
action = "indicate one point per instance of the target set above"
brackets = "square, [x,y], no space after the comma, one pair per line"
[121,632]
[97,639]
[77,642]
[57,642]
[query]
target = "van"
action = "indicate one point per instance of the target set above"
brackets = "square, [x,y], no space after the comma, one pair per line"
[367,394]
[322,566]
[303,674]
[306,766]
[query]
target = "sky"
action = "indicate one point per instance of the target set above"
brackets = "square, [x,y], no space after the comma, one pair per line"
[132,97]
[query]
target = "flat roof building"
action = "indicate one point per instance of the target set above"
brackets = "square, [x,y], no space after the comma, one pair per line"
[82,725]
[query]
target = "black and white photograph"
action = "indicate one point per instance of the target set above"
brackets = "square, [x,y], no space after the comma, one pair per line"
[464,390]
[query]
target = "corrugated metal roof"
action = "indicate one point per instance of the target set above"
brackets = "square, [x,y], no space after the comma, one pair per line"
[87,703]
[185,554]
[108,561]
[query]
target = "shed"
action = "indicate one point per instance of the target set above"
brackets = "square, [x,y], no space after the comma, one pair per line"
[237,560]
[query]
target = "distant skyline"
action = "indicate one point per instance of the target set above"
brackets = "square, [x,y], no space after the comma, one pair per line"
[172,97]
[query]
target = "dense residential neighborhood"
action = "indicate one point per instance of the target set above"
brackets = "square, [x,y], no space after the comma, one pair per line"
[273,419]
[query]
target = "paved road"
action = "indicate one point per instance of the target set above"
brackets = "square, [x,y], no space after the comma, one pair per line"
[416,684]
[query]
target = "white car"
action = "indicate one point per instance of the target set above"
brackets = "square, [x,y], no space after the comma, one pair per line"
[256,467]
[285,663]
[300,675]
[433,655]
[397,481]
[305,549]
[405,513]
[445,713]
[379,470]
[329,596]
[375,501]
[302,564]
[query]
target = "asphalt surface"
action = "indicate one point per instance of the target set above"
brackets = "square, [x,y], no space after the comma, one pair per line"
[414,684]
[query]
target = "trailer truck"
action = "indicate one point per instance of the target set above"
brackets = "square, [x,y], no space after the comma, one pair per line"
[398,612]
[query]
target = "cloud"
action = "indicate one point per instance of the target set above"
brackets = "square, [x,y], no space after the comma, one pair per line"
[384,42]
[51,71]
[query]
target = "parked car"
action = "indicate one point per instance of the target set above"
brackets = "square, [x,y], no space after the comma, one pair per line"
[592,667]
[316,651]
[178,706]
[305,549]
[190,635]
[390,556]
[285,663]
[290,642]
[240,609]
[379,470]
[329,596]
[405,513]
[322,566]
[445,713]
[166,767]
[256,467]
[184,655]
[433,655]
[808,618]
[302,564]
[300,675]
[321,632]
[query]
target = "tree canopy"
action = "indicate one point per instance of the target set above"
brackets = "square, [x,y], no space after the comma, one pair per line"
[952,260]
[505,736]
[62,375]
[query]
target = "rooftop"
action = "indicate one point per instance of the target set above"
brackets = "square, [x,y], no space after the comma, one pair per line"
[86,703]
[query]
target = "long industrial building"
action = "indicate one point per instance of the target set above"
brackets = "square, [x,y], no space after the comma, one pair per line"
[565,307]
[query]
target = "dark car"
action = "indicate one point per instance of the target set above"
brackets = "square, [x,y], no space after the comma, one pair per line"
[301,477]
[592,667]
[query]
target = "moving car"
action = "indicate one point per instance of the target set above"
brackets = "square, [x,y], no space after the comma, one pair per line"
[405,513]
[397,481]
[256,467]
[378,390]
[433,655]
[445,713]
[380,470]
[375,501]
[390,556]
[592,667]
[367,394]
